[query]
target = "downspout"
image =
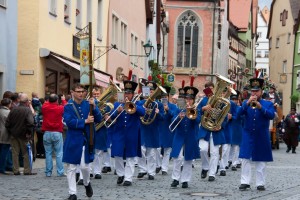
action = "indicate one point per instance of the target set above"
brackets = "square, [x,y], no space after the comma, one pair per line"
[292,88]
[213,41]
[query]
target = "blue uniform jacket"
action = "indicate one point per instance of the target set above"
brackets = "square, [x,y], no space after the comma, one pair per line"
[236,126]
[228,124]
[186,137]
[101,137]
[218,136]
[150,133]
[125,137]
[78,133]
[165,135]
[256,137]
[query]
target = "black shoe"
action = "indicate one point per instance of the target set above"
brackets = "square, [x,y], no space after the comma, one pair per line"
[150,177]
[115,172]
[175,183]
[185,185]
[193,166]
[204,173]
[77,177]
[261,188]
[98,176]
[211,178]
[120,180]
[72,197]
[88,190]
[233,168]
[80,182]
[244,187]
[108,169]
[238,165]
[164,173]
[30,173]
[91,175]
[158,170]
[222,173]
[229,163]
[226,167]
[127,183]
[18,173]
[104,170]
[141,174]
[288,150]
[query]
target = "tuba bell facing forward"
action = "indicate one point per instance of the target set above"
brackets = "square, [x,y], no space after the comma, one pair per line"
[220,105]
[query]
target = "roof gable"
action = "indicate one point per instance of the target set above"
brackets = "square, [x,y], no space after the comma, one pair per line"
[239,12]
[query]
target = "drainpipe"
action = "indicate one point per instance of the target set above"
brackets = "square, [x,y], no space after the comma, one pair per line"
[292,88]
[213,41]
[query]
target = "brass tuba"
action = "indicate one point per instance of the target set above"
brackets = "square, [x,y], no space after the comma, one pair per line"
[220,105]
[150,115]
[106,100]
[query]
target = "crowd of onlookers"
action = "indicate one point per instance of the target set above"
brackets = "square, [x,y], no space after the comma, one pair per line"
[21,131]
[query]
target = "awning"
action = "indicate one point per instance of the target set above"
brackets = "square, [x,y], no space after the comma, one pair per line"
[101,79]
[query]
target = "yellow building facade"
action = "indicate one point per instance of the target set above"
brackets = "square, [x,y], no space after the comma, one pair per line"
[47,52]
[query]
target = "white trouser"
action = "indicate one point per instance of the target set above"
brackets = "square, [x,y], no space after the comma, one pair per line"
[166,159]
[151,160]
[127,170]
[142,161]
[71,172]
[230,153]
[158,157]
[186,174]
[203,145]
[235,155]
[260,172]
[107,161]
[225,155]
[98,160]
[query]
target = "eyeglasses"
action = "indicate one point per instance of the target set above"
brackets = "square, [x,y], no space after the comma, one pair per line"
[80,91]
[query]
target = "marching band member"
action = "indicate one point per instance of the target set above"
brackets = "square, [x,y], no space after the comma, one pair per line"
[100,142]
[185,140]
[150,135]
[125,137]
[236,131]
[211,139]
[165,135]
[76,145]
[256,144]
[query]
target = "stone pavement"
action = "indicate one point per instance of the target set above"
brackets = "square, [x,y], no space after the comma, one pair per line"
[282,183]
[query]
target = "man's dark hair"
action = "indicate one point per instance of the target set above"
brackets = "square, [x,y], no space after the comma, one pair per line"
[209,84]
[77,85]
[7,94]
[15,96]
[5,102]
[53,98]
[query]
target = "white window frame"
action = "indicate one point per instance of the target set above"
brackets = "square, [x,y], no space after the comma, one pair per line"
[53,7]
[100,20]
[284,63]
[124,32]
[78,16]
[115,30]
[67,11]
[3,3]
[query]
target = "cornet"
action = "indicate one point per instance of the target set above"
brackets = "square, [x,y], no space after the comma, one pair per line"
[253,104]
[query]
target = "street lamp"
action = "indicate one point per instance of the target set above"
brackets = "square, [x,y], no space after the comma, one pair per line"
[148,48]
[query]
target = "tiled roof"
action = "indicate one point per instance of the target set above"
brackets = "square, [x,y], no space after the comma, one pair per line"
[265,13]
[239,12]
[295,7]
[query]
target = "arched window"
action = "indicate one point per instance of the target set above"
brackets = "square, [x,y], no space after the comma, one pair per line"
[187,40]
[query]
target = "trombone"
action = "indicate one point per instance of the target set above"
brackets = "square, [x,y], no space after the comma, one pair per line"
[170,127]
[129,107]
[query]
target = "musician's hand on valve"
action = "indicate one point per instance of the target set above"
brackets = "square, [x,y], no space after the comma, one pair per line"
[251,99]
[217,128]
[229,116]
[156,110]
[206,108]
[90,119]
[258,105]
[181,114]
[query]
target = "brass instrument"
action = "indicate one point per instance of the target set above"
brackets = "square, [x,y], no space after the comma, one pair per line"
[182,106]
[253,104]
[147,119]
[129,107]
[214,118]
[192,112]
[107,95]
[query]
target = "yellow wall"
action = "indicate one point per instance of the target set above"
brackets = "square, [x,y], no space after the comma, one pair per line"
[284,52]
[38,29]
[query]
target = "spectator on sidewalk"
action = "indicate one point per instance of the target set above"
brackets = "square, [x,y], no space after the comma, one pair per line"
[4,136]
[52,127]
[291,130]
[19,124]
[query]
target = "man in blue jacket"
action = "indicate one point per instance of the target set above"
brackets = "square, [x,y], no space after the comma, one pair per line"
[76,147]
[255,144]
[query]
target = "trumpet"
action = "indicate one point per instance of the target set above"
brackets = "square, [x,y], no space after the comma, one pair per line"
[192,112]
[253,104]
[129,107]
